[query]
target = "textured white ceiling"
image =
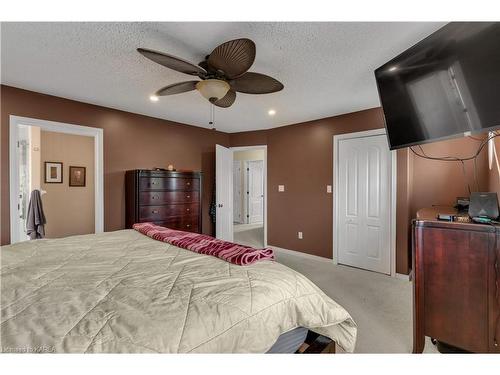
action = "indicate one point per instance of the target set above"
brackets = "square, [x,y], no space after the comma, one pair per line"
[327,68]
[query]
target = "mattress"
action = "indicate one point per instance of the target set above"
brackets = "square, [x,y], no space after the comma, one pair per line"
[123,292]
[289,342]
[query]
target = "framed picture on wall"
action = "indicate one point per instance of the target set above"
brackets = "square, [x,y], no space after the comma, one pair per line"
[53,172]
[76,176]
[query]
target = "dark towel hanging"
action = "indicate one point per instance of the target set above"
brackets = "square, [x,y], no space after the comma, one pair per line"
[35,218]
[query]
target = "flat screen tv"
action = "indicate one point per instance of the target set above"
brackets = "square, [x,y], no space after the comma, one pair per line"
[445,86]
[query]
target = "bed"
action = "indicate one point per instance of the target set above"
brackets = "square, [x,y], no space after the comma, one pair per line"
[123,292]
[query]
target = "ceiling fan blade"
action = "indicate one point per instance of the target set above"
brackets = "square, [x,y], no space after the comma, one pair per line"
[177,88]
[227,100]
[172,62]
[233,58]
[256,83]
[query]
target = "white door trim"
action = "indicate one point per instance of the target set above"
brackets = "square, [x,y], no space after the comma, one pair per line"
[264,147]
[59,127]
[367,133]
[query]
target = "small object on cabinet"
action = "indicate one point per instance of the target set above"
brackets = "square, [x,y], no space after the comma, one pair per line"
[170,168]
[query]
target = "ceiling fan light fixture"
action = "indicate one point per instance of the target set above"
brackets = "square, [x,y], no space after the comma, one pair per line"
[213,89]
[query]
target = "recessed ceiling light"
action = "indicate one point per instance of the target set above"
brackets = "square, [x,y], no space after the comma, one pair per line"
[392,68]
[271,112]
[153,98]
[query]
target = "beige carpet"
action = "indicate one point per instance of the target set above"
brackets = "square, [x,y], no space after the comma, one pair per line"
[249,234]
[380,305]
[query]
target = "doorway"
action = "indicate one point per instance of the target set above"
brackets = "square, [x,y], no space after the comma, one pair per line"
[241,195]
[365,202]
[64,162]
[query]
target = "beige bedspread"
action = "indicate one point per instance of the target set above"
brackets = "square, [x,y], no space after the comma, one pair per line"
[124,292]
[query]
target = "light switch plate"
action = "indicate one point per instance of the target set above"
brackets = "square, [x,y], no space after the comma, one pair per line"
[281,188]
[300,235]
[328,188]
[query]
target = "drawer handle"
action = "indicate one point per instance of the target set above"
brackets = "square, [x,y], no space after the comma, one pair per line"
[188,225]
[187,209]
[189,196]
[155,211]
[189,183]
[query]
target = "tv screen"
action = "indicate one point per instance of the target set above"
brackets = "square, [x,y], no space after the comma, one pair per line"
[445,86]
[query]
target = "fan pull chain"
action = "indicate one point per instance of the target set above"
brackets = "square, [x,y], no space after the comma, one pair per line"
[212,115]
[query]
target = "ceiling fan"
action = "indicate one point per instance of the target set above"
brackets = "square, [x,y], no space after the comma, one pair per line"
[223,73]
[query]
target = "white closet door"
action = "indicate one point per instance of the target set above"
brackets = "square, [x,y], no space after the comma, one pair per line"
[255,191]
[224,193]
[364,203]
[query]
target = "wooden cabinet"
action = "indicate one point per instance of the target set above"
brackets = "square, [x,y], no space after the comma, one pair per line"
[170,199]
[456,284]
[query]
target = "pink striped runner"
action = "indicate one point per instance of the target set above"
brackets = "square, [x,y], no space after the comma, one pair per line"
[200,243]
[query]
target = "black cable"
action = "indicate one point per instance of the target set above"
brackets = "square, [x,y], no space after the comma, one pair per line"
[475,175]
[465,177]
[453,158]
[462,160]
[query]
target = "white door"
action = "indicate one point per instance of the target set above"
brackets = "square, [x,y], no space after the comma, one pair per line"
[364,203]
[255,192]
[224,193]
[237,193]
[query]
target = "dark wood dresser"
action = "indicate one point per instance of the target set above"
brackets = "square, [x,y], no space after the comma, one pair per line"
[456,281]
[169,199]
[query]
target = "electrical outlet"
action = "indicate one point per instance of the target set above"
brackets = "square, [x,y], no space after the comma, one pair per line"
[281,188]
[328,188]
[300,235]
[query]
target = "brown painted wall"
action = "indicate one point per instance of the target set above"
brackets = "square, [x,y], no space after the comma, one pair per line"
[440,182]
[301,158]
[69,209]
[130,141]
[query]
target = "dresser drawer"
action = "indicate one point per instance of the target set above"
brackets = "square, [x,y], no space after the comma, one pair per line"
[155,213]
[188,223]
[169,183]
[168,197]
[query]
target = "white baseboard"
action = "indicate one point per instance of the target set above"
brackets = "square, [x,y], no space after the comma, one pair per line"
[399,276]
